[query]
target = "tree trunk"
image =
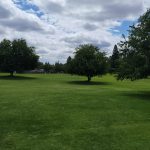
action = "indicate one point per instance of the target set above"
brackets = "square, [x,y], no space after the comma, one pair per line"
[89,78]
[11,73]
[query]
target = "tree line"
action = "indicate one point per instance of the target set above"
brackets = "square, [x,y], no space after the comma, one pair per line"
[130,58]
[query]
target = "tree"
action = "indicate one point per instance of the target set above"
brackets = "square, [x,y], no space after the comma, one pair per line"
[88,61]
[135,52]
[40,65]
[48,67]
[69,68]
[16,55]
[59,67]
[114,60]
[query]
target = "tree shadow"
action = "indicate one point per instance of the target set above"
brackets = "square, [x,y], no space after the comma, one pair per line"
[16,78]
[88,83]
[142,95]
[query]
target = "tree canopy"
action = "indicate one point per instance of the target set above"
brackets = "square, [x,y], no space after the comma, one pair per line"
[135,51]
[88,61]
[16,55]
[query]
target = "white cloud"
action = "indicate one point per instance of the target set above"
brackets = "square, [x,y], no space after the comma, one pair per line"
[67,23]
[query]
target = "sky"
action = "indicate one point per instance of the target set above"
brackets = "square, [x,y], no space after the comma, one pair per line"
[56,27]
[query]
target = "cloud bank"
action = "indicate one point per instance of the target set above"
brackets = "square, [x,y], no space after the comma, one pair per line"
[56,27]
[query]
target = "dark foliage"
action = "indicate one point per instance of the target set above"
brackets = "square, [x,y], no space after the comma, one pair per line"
[17,56]
[88,61]
[135,52]
[114,60]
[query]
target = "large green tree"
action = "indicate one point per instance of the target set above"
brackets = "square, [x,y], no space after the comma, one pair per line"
[16,55]
[135,50]
[88,61]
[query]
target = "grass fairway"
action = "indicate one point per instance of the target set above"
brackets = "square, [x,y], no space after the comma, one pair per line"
[62,112]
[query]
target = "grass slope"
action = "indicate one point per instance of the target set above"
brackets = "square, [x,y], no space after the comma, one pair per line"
[62,112]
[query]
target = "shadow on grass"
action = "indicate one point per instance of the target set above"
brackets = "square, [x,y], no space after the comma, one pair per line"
[16,78]
[142,95]
[88,83]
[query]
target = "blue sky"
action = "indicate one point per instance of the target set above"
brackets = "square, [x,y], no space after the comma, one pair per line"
[26,6]
[123,28]
[56,27]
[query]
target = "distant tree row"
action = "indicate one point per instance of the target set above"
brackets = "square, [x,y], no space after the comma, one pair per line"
[52,68]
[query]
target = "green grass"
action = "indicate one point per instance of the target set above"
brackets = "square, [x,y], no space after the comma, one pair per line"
[62,112]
